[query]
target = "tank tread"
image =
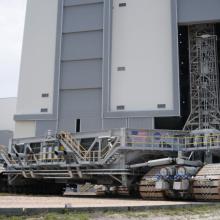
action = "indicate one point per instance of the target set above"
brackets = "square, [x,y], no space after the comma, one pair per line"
[213,183]
[210,169]
[123,191]
[208,197]
[119,191]
[206,190]
[152,195]
[100,193]
[147,186]
[206,184]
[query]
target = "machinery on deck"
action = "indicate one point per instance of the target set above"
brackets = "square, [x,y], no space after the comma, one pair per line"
[157,164]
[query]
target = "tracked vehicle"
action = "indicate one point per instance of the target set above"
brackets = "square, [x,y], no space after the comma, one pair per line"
[156,164]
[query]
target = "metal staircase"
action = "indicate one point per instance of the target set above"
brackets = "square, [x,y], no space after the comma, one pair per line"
[68,140]
[4,154]
[85,154]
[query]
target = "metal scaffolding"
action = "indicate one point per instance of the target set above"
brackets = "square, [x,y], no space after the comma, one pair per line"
[204,79]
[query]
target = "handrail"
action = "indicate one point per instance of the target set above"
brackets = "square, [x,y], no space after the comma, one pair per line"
[69,139]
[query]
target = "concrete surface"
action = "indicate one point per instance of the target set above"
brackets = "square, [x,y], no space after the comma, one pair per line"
[80,202]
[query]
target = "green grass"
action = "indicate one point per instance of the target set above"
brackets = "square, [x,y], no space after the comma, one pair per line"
[200,211]
[50,216]
[5,194]
[192,211]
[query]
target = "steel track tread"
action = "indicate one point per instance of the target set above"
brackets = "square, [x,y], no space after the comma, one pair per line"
[147,186]
[206,184]
[123,191]
[120,191]
[100,193]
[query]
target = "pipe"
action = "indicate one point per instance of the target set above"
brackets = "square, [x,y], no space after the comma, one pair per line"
[154,163]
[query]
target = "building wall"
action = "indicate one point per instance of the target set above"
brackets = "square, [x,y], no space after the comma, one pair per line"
[7,111]
[81,65]
[63,55]
[25,129]
[198,11]
[81,87]
[7,124]
[139,43]
[5,137]
[38,58]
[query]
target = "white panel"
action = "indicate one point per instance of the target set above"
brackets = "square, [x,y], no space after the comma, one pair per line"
[38,57]
[142,43]
[25,129]
[7,111]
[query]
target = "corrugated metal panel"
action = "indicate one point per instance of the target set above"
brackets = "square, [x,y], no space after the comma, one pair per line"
[81,74]
[86,124]
[81,66]
[81,2]
[83,18]
[80,103]
[198,10]
[91,124]
[67,124]
[141,123]
[114,123]
[43,126]
[83,45]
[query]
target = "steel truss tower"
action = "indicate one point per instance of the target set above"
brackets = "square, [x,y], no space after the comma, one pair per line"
[204,79]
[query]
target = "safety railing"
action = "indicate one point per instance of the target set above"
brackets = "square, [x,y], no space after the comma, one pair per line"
[42,157]
[173,142]
[52,158]
[70,140]
[99,151]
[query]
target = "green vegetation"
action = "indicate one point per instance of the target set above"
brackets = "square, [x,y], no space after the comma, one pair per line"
[50,216]
[198,212]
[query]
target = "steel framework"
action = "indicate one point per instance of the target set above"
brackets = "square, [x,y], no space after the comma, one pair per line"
[204,80]
[87,156]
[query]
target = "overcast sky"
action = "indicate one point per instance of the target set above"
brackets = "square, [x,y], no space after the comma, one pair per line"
[12,15]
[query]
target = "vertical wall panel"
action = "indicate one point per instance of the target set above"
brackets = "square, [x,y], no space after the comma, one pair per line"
[193,11]
[38,57]
[83,45]
[141,123]
[81,74]
[81,69]
[110,123]
[83,18]
[143,54]
[42,127]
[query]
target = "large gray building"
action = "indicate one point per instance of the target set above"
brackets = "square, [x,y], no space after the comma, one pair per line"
[98,64]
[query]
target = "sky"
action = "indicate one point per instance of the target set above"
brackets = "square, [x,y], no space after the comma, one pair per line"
[12,16]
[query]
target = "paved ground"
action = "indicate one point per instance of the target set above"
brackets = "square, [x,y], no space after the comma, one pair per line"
[79,202]
[49,207]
